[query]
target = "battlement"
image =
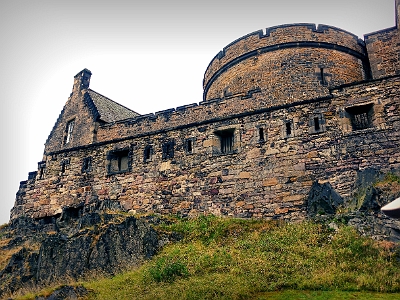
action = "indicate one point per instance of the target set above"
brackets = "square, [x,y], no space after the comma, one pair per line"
[289,34]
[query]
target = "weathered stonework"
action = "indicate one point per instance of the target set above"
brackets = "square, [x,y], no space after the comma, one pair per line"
[281,111]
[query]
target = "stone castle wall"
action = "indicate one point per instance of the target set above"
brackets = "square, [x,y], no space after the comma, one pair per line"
[258,178]
[384,49]
[297,105]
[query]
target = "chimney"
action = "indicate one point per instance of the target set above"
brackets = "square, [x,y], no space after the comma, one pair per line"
[81,80]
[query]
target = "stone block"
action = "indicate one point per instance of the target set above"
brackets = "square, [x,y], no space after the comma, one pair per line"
[245,175]
[270,182]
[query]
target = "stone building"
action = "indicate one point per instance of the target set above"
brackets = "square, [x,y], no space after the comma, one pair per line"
[282,110]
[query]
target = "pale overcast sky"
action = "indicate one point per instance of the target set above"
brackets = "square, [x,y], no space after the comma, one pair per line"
[147,56]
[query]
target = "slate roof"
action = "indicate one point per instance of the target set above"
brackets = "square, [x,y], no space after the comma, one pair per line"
[109,110]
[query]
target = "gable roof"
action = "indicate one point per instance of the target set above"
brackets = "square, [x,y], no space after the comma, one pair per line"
[109,110]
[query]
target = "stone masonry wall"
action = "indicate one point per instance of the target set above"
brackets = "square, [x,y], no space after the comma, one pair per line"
[270,177]
[384,49]
[301,39]
[291,107]
[289,75]
[77,111]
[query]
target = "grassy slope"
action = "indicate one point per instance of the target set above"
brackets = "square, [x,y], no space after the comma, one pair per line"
[259,259]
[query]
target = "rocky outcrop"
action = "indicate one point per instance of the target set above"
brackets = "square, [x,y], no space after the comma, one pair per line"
[362,209]
[91,244]
[66,292]
[323,199]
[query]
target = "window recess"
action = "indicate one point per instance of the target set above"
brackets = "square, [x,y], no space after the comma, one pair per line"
[168,150]
[361,116]
[68,131]
[226,141]
[118,161]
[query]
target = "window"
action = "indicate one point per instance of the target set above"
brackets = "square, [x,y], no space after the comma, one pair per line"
[87,164]
[118,161]
[261,134]
[227,139]
[63,164]
[69,129]
[147,154]
[189,145]
[322,76]
[361,116]
[168,150]
[316,123]
[288,128]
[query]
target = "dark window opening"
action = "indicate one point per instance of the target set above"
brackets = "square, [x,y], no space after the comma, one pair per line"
[168,150]
[288,128]
[118,161]
[322,75]
[148,150]
[261,134]
[64,164]
[361,116]
[189,146]
[69,130]
[227,140]
[317,127]
[87,164]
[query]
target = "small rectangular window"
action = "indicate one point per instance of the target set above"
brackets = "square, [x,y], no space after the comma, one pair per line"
[147,154]
[288,128]
[69,130]
[118,161]
[227,140]
[322,75]
[168,150]
[87,164]
[361,116]
[316,124]
[189,146]
[261,134]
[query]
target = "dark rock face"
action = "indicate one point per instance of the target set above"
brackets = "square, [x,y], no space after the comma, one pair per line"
[323,199]
[91,244]
[66,292]
[101,250]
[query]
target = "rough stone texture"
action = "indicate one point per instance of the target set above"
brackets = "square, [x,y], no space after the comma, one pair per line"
[384,49]
[248,154]
[67,292]
[287,74]
[72,247]
[272,177]
[323,199]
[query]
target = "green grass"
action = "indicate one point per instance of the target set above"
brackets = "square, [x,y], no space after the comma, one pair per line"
[258,259]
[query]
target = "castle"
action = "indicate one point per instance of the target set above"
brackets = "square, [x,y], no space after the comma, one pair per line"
[283,109]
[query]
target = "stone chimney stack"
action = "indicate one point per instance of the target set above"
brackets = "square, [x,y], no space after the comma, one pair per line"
[81,80]
[398,14]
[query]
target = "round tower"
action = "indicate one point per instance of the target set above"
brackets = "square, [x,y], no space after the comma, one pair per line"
[287,63]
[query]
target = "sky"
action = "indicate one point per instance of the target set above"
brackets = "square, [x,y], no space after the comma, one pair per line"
[148,56]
